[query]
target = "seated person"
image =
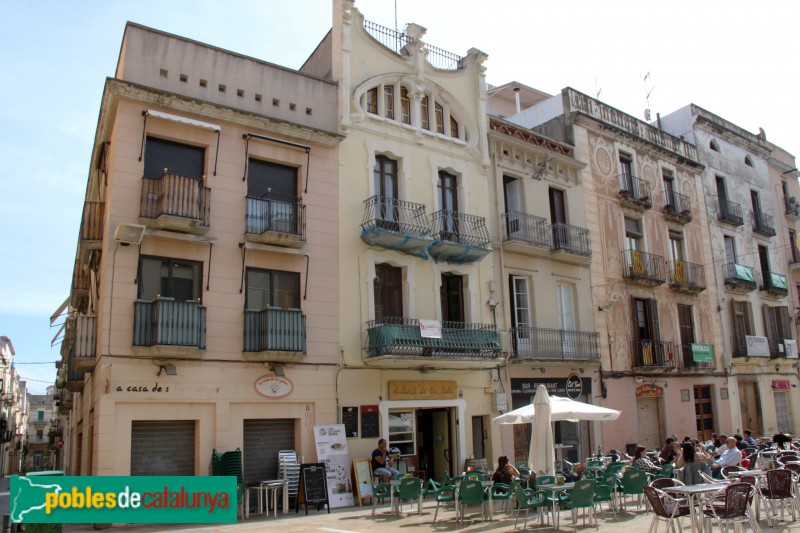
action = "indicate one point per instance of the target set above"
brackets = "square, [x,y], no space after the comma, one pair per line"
[667,454]
[642,462]
[748,438]
[730,456]
[506,472]
[571,472]
[382,462]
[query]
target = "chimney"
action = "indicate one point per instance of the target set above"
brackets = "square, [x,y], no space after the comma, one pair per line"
[516,97]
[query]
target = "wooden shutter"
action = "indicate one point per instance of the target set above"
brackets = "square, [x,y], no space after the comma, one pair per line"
[770,323]
[652,317]
[685,324]
[784,322]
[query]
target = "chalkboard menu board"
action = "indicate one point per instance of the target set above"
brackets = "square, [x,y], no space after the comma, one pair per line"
[350,421]
[313,489]
[370,424]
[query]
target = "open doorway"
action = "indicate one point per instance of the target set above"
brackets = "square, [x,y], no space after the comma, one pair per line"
[436,442]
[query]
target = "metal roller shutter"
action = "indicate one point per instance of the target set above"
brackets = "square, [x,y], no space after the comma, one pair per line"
[162,448]
[649,423]
[263,439]
[782,412]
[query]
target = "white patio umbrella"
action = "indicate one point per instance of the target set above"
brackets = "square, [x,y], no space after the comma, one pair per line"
[541,456]
[560,409]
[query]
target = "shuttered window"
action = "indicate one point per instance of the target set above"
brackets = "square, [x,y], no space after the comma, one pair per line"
[645,319]
[742,318]
[176,158]
[163,448]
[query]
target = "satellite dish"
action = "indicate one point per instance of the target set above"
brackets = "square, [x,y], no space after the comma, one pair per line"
[647,115]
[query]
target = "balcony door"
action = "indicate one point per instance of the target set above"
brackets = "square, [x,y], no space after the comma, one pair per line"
[512,193]
[169,278]
[763,260]
[669,189]
[626,174]
[686,330]
[558,217]
[521,316]
[452,297]
[271,197]
[755,201]
[175,158]
[385,183]
[645,330]
[448,200]
[388,291]
[566,318]
[704,411]
[272,288]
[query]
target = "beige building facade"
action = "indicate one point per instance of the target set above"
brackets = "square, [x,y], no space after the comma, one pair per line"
[204,306]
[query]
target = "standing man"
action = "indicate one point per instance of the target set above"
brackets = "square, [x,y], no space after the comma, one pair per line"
[382,462]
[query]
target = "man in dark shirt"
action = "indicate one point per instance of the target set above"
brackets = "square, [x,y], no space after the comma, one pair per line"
[382,462]
[667,452]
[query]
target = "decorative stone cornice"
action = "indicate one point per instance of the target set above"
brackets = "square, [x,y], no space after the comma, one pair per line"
[730,132]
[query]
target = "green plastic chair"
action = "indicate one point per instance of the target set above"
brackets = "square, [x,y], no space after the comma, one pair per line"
[595,463]
[410,488]
[633,483]
[523,468]
[502,492]
[666,471]
[606,492]
[447,479]
[471,493]
[529,500]
[444,494]
[613,468]
[581,497]
[430,488]
[380,492]
[545,480]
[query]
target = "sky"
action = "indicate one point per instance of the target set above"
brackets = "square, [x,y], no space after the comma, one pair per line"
[737,59]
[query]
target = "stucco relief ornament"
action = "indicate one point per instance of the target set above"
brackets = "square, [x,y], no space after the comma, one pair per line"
[687,187]
[602,159]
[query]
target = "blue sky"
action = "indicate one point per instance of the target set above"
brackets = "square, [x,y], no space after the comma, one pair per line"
[737,59]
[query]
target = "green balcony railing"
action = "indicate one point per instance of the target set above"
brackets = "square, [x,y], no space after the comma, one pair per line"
[459,340]
[165,321]
[274,329]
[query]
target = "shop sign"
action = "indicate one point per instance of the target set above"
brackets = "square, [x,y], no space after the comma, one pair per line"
[422,390]
[757,346]
[780,384]
[702,353]
[790,348]
[558,386]
[649,390]
[273,386]
[430,329]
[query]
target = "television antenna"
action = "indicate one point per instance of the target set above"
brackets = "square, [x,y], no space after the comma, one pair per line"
[541,168]
[597,89]
[647,93]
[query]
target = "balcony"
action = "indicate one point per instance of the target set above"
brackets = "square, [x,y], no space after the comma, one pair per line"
[634,192]
[81,281]
[74,377]
[688,354]
[65,405]
[80,342]
[774,285]
[729,212]
[175,203]
[275,335]
[652,354]
[526,234]
[91,234]
[571,244]
[792,210]
[398,343]
[459,238]
[683,276]
[739,278]
[396,225]
[165,323]
[763,224]
[642,268]
[546,344]
[677,207]
[276,219]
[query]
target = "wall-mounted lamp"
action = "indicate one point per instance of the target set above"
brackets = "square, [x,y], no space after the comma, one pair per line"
[127,234]
[277,369]
[169,370]
[608,304]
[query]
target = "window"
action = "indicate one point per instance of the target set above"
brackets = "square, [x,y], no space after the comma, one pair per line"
[388,101]
[793,255]
[272,198]
[385,182]
[763,259]
[742,325]
[626,173]
[675,246]
[38,458]
[272,288]
[439,112]
[448,199]
[778,326]
[176,158]
[405,106]
[453,127]
[426,123]
[669,189]
[40,416]
[402,430]
[722,195]
[452,298]
[265,178]
[169,278]
[686,330]
[521,315]
[388,292]
[39,434]
[633,234]
[372,101]
[755,201]
[645,320]
[730,249]
[512,195]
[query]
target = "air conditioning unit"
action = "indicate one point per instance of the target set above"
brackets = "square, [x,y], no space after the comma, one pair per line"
[505,342]
[129,233]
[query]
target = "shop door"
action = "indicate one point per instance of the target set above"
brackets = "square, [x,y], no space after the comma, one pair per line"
[649,423]
[703,411]
[750,407]
[163,448]
[478,449]
[435,445]
[262,440]
[782,412]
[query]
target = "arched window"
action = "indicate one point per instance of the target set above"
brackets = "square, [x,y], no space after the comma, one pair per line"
[405,106]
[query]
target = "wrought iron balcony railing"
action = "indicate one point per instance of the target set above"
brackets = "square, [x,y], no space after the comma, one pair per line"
[562,344]
[774,284]
[459,340]
[459,237]
[764,224]
[397,225]
[644,268]
[92,221]
[677,207]
[83,342]
[686,277]
[730,212]
[650,353]
[572,239]
[687,359]
[274,212]
[274,329]
[168,322]
[739,277]
[176,196]
[528,228]
[634,191]
[396,41]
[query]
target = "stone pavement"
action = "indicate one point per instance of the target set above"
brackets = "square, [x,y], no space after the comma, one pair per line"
[359,520]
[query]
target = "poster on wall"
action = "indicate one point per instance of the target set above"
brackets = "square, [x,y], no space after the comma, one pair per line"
[331,442]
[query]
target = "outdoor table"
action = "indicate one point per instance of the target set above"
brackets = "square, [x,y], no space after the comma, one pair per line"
[554,488]
[691,492]
[266,493]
